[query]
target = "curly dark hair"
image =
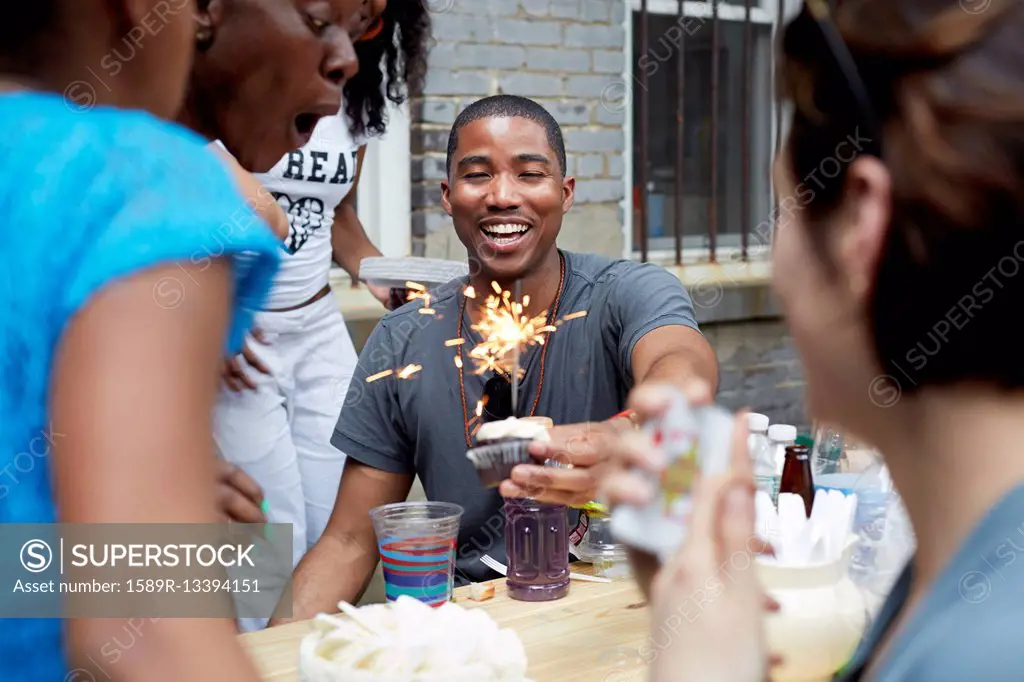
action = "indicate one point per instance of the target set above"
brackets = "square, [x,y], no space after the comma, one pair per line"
[398,54]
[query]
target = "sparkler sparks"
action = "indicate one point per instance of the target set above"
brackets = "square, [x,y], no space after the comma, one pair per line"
[506,329]
[379,375]
[418,291]
[408,371]
[400,373]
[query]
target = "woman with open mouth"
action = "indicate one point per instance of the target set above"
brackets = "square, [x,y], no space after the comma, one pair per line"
[279,400]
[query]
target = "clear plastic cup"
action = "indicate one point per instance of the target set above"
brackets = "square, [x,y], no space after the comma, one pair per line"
[599,548]
[416,541]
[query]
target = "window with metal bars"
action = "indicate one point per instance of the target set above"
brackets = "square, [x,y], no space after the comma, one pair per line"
[703,128]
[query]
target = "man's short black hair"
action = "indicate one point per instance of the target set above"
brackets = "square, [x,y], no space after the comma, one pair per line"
[508,106]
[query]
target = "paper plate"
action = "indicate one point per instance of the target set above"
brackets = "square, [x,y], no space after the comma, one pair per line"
[395,272]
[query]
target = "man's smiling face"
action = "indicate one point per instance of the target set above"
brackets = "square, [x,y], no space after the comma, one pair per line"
[506,195]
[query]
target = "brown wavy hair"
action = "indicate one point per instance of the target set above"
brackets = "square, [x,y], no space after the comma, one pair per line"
[944,81]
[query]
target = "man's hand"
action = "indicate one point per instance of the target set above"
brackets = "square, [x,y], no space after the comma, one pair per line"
[239,497]
[580,450]
[234,375]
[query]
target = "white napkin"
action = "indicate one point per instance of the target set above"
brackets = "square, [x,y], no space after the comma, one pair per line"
[799,540]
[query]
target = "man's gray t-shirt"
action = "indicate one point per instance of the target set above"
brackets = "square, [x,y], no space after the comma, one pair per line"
[969,625]
[416,425]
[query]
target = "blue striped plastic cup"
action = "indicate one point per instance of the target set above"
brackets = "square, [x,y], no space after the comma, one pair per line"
[416,541]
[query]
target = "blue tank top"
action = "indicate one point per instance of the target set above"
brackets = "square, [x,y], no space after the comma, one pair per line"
[87,198]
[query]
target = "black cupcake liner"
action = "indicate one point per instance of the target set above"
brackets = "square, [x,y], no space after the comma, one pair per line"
[494,461]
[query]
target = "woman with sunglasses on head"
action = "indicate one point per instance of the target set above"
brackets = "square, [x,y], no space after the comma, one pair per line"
[134,269]
[898,282]
[280,399]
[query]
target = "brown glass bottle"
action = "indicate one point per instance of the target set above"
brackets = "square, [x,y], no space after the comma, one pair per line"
[796,475]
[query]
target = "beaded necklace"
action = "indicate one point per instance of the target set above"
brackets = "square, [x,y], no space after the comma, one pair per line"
[544,349]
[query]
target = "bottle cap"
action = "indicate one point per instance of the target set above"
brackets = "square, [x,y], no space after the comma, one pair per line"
[782,432]
[757,422]
[797,450]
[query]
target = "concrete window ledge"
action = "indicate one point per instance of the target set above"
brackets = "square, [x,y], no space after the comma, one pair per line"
[730,291]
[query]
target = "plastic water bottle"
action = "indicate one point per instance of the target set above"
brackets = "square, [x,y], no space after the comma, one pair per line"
[537,546]
[828,451]
[761,455]
[757,425]
[875,495]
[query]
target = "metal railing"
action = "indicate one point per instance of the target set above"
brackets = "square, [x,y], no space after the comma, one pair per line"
[754,190]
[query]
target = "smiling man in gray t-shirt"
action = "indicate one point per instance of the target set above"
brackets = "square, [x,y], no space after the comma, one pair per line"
[506,192]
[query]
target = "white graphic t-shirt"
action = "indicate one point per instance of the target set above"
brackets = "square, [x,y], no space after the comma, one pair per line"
[309,183]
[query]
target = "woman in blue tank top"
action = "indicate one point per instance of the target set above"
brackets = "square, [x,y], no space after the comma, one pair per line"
[130,267]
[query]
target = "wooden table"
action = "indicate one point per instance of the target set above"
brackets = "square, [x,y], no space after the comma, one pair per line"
[600,632]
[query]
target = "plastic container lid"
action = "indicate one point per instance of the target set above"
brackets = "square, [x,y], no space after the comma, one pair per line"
[782,432]
[757,422]
[395,272]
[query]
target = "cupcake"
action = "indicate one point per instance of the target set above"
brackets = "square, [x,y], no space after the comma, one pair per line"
[503,445]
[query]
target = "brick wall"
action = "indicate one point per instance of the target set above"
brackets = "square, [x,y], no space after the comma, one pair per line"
[565,54]
[758,364]
[759,369]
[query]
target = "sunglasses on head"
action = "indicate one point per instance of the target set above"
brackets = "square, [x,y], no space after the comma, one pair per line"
[821,13]
[497,398]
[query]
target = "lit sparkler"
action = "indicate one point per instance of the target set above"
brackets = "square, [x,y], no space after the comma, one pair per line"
[507,331]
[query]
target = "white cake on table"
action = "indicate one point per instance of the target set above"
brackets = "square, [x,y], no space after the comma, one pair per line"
[408,641]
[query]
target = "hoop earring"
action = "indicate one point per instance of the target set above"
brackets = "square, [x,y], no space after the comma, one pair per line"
[372,31]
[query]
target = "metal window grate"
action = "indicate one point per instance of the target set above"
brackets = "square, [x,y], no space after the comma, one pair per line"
[703,124]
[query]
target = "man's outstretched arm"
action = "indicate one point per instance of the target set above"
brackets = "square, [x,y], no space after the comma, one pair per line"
[341,563]
[675,355]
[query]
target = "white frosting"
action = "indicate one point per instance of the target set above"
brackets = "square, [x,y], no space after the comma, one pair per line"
[530,429]
[414,643]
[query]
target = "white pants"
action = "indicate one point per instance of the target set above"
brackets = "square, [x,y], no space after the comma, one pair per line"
[280,434]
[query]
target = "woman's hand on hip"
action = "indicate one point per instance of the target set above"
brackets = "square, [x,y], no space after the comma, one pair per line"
[234,374]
